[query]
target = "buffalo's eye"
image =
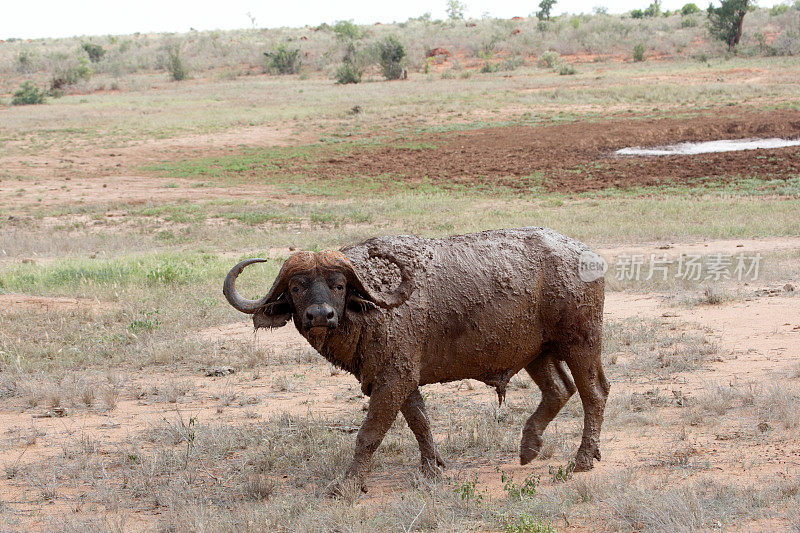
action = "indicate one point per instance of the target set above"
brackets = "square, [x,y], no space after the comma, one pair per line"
[339,287]
[295,289]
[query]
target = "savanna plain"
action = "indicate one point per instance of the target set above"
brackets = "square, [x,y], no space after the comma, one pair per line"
[133,397]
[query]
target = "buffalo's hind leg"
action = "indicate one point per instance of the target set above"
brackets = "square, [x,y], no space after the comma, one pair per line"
[557,387]
[417,417]
[586,367]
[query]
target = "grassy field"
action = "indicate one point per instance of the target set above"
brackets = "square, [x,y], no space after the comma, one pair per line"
[121,212]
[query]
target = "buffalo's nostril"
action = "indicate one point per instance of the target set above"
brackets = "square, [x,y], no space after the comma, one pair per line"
[330,314]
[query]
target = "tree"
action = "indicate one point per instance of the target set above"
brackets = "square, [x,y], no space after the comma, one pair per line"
[653,10]
[689,9]
[545,6]
[725,21]
[455,10]
[391,53]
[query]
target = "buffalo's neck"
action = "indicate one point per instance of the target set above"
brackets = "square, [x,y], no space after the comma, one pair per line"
[339,346]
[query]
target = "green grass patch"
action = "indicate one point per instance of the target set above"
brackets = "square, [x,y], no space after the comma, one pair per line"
[79,276]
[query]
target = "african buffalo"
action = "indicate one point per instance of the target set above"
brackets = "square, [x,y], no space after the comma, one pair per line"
[402,311]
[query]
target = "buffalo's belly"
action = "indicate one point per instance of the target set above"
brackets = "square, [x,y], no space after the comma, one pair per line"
[487,355]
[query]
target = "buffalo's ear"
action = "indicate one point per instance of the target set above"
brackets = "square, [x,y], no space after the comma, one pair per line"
[359,304]
[274,314]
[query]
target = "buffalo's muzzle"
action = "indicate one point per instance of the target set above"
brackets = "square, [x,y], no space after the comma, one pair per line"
[320,315]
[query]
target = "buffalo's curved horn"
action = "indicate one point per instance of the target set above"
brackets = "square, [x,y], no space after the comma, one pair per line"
[229,289]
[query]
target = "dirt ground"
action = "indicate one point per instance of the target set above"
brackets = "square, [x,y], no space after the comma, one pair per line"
[503,155]
[758,339]
[569,158]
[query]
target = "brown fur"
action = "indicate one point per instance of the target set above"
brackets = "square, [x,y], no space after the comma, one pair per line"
[484,306]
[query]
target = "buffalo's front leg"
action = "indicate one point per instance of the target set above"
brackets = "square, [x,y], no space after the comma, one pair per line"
[417,417]
[385,401]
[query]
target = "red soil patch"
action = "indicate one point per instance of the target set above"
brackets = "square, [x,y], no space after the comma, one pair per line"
[579,156]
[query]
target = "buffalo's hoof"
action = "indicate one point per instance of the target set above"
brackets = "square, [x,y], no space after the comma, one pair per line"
[529,449]
[433,467]
[584,460]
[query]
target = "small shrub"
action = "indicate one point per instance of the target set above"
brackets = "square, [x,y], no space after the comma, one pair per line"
[94,51]
[562,473]
[566,70]
[512,63]
[28,94]
[390,56]
[689,9]
[548,59]
[167,272]
[348,72]
[526,489]
[489,67]
[525,523]
[468,490]
[175,65]
[284,60]
[148,321]
[70,75]
[689,22]
[25,61]
[638,53]
[637,14]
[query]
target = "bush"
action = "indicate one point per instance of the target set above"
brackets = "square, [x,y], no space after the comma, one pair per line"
[175,65]
[345,30]
[348,72]
[548,59]
[94,51]
[70,75]
[28,94]
[512,63]
[778,9]
[566,70]
[638,53]
[284,60]
[390,55]
[689,22]
[25,61]
[637,14]
[689,9]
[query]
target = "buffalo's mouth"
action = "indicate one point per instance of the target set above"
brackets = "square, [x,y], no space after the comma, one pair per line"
[320,317]
[320,327]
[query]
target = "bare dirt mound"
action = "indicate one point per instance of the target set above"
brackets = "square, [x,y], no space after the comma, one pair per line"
[578,156]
